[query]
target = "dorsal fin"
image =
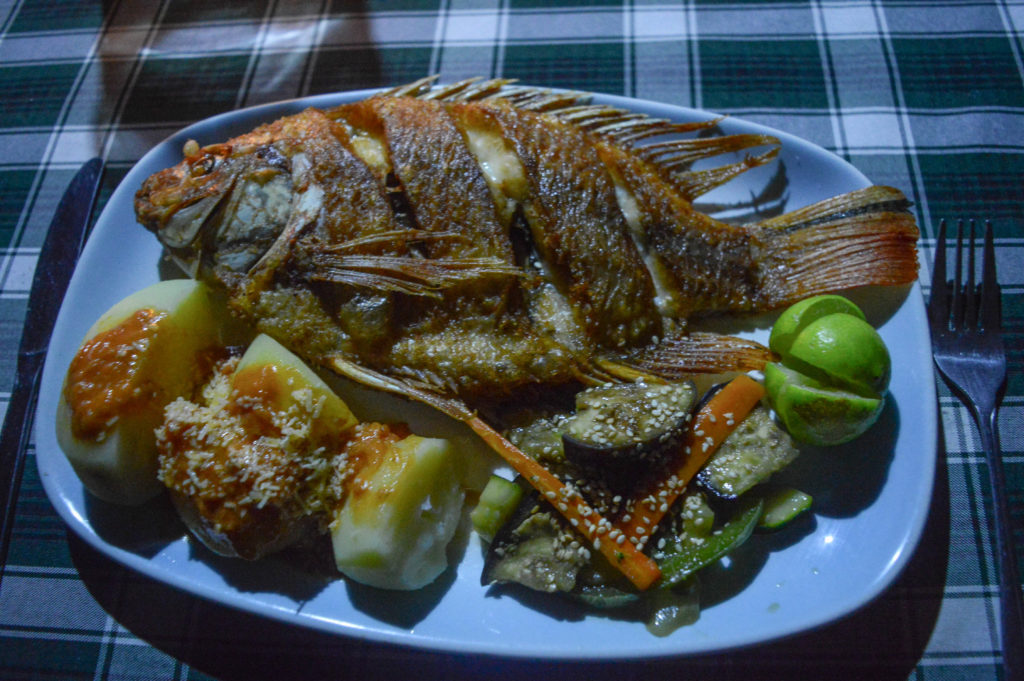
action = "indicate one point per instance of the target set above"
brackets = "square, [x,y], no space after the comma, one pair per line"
[672,157]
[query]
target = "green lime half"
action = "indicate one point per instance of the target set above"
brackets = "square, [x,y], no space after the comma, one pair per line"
[824,417]
[797,316]
[778,375]
[843,350]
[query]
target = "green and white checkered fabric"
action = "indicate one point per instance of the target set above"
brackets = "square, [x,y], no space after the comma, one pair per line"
[924,96]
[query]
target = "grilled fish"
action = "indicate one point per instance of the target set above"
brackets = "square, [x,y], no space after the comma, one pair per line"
[474,239]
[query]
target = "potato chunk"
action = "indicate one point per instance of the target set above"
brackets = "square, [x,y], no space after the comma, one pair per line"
[401,512]
[147,350]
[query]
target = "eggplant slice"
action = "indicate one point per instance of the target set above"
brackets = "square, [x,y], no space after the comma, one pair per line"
[620,426]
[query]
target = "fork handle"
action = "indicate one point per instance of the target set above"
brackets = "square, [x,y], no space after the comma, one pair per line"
[1010,599]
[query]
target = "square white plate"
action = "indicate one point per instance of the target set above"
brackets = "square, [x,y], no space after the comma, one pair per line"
[871,496]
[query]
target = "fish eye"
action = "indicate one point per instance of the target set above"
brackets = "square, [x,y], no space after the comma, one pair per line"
[205,165]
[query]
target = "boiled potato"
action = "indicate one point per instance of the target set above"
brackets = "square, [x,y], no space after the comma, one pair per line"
[145,351]
[401,512]
[280,377]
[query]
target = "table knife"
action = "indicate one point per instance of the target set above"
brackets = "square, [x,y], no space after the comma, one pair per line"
[57,260]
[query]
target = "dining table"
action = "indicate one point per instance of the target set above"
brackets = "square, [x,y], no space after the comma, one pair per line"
[926,97]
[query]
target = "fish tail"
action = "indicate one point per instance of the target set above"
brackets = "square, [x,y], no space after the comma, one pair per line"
[866,237]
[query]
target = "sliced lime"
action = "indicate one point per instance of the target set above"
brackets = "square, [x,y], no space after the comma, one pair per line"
[797,316]
[844,350]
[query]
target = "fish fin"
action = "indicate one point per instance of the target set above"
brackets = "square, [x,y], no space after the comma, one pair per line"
[673,158]
[417,88]
[870,200]
[679,155]
[768,202]
[695,183]
[540,100]
[415,276]
[700,353]
[469,89]
[613,371]
[393,238]
[454,408]
[624,127]
[865,237]
[628,129]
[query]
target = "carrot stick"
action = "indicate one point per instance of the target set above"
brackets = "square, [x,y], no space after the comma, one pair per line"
[638,568]
[711,425]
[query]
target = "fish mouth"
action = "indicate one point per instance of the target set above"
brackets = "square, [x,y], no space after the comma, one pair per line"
[184,224]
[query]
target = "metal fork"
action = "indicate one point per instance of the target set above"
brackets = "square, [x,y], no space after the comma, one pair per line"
[967,344]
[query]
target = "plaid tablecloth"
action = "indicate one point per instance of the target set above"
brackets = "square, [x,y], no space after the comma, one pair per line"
[924,96]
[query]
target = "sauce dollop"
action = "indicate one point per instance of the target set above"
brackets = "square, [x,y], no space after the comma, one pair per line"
[104,381]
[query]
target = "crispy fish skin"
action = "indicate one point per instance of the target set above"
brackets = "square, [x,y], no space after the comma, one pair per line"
[580,232]
[474,239]
[441,179]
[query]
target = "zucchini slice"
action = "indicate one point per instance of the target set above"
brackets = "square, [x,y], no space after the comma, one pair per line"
[749,456]
[783,505]
[497,502]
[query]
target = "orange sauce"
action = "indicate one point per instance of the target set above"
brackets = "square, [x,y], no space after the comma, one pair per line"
[257,393]
[102,382]
[367,449]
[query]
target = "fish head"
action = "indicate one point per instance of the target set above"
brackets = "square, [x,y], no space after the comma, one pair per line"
[220,207]
[175,202]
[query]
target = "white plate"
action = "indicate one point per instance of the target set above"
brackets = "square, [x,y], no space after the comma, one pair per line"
[871,496]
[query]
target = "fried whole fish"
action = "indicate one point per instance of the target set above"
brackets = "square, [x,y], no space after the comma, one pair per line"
[466,243]
[477,238]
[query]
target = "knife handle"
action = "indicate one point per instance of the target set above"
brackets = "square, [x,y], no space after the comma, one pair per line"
[14,440]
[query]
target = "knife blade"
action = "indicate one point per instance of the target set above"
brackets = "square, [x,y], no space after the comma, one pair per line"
[56,262]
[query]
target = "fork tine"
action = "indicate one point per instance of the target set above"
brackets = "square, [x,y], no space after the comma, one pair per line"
[990,314]
[970,290]
[958,278]
[938,301]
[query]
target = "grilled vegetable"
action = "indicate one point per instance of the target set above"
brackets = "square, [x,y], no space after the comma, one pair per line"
[781,506]
[755,450]
[619,426]
[713,422]
[535,549]
[542,439]
[497,502]
[687,552]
